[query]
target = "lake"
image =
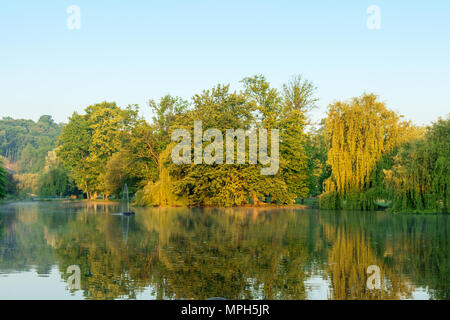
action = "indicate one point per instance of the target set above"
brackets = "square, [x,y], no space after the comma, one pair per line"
[236,253]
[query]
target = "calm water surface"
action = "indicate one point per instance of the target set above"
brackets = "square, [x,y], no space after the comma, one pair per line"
[233,253]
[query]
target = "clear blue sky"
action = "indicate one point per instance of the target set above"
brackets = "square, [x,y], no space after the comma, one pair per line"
[131,51]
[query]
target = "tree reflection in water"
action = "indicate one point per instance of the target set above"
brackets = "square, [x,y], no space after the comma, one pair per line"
[239,253]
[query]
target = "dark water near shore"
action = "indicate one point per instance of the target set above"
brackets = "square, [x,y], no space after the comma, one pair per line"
[239,253]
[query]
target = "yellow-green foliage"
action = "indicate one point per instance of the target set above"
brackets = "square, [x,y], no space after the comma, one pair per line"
[27,183]
[359,133]
[160,193]
[89,140]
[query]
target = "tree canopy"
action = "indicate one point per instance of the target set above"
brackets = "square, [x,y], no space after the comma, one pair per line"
[359,133]
[361,156]
[256,106]
[88,141]
[420,176]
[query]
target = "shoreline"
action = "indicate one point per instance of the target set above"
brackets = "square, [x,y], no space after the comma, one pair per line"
[246,206]
[114,202]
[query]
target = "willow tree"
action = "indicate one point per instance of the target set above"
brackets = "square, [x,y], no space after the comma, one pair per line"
[419,179]
[359,133]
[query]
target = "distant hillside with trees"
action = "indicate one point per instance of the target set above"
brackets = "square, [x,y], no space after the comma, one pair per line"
[25,143]
[24,146]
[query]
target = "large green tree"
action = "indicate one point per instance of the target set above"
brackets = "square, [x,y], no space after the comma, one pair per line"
[88,141]
[298,99]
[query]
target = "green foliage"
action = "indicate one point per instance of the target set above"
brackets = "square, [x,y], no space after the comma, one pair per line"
[420,176]
[3,180]
[55,179]
[223,185]
[74,148]
[11,185]
[331,200]
[361,156]
[27,184]
[145,143]
[318,168]
[160,193]
[167,112]
[257,106]
[116,174]
[298,98]
[109,146]
[25,143]
[55,182]
[88,142]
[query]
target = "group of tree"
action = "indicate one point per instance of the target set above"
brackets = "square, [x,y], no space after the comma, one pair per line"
[257,106]
[55,179]
[420,177]
[107,147]
[24,145]
[361,156]
[376,158]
